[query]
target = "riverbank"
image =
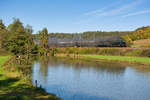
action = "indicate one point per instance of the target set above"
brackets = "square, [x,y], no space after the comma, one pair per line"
[12,87]
[138,60]
[108,51]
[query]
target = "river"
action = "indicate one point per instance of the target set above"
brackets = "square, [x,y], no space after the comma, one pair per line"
[76,79]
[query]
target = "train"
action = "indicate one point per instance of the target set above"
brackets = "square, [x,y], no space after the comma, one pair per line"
[120,43]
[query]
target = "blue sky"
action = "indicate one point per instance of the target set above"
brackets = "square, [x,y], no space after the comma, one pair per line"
[78,15]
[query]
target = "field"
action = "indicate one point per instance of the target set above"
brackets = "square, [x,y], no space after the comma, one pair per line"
[141,43]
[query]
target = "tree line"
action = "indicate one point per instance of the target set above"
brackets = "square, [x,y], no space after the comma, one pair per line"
[20,40]
[86,39]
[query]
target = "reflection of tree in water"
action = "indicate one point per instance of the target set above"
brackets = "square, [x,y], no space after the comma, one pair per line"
[21,64]
[78,65]
[143,68]
[44,66]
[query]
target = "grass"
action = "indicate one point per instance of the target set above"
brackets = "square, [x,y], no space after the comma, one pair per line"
[140,60]
[134,52]
[12,87]
[2,60]
[121,58]
[3,52]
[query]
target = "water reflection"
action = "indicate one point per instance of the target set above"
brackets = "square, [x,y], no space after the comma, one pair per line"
[75,79]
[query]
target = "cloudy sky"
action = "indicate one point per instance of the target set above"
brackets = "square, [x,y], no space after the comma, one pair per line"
[78,15]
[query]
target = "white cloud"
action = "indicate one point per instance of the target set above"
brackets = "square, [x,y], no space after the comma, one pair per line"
[107,11]
[95,12]
[137,13]
[122,9]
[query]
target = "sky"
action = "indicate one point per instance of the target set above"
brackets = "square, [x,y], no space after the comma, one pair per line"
[70,16]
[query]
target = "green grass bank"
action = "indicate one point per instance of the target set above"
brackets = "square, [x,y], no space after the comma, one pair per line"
[134,60]
[131,55]
[13,87]
[121,58]
[132,52]
[2,60]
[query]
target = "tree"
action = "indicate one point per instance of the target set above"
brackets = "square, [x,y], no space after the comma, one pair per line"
[128,40]
[138,34]
[2,26]
[20,40]
[16,26]
[44,48]
[3,33]
[28,29]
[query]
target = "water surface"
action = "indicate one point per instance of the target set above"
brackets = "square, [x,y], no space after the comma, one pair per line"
[73,79]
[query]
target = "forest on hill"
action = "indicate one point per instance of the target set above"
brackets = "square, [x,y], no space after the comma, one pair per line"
[86,39]
[19,39]
[97,38]
[139,34]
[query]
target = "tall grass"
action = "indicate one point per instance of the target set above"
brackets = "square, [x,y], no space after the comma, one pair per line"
[106,51]
[2,60]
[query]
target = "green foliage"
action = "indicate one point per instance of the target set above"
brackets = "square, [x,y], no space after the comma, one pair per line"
[2,26]
[53,52]
[90,35]
[18,39]
[20,44]
[128,40]
[2,60]
[43,48]
[16,27]
[134,53]
[3,34]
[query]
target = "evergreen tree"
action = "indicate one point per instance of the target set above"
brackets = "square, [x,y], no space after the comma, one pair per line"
[2,26]
[3,33]
[44,48]
[20,41]
[16,26]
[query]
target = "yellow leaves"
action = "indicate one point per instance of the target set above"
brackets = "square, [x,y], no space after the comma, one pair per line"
[128,40]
